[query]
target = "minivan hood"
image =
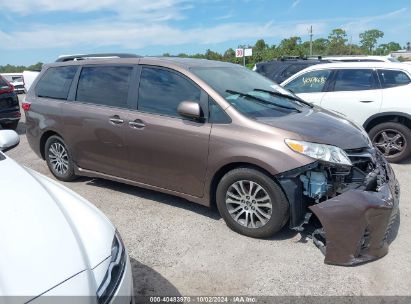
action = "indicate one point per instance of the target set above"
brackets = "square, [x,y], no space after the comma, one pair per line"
[321,126]
[41,246]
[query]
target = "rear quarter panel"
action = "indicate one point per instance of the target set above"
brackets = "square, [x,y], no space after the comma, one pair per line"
[397,99]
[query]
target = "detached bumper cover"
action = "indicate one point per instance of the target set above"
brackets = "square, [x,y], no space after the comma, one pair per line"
[357,222]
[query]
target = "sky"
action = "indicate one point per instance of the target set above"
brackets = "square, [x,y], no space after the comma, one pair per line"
[41,30]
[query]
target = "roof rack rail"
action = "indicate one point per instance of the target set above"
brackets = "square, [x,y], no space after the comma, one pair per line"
[314,57]
[64,58]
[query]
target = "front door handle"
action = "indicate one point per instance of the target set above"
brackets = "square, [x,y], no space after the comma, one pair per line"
[366,101]
[116,120]
[137,124]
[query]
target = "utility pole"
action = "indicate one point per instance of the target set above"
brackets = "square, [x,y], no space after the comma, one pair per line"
[350,43]
[311,40]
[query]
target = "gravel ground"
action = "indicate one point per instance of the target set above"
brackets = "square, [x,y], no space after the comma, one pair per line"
[180,248]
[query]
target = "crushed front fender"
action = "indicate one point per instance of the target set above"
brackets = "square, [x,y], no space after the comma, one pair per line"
[357,222]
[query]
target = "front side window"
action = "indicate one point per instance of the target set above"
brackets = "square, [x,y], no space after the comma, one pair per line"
[355,80]
[56,82]
[391,78]
[310,82]
[216,114]
[161,91]
[104,85]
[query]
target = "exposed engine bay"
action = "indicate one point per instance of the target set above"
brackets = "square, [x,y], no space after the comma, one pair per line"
[346,210]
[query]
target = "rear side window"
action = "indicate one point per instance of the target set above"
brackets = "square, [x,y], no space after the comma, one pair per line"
[293,69]
[310,82]
[355,80]
[56,82]
[161,91]
[391,78]
[104,85]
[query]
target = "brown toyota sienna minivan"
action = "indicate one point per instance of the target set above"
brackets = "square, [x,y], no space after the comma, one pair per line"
[217,133]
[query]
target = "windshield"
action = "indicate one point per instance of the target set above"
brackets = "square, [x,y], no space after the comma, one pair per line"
[250,93]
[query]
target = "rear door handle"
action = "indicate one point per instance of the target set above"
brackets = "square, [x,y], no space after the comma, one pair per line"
[116,120]
[137,124]
[366,101]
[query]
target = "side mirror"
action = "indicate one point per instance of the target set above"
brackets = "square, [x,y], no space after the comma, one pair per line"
[8,140]
[190,109]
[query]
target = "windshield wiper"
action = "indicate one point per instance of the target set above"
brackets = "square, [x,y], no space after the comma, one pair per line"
[295,98]
[262,100]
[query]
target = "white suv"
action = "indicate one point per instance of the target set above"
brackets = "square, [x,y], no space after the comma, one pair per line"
[374,94]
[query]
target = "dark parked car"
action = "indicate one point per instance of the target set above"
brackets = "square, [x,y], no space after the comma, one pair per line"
[214,132]
[281,69]
[9,105]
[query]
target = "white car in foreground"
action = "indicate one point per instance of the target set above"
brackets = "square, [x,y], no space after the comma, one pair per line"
[375,95]
[54,242]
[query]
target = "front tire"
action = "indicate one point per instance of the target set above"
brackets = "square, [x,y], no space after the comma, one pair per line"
[251,203]
[393,140]
[58,159]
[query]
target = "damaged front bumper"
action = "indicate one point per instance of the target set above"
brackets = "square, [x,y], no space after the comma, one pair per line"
[355,224]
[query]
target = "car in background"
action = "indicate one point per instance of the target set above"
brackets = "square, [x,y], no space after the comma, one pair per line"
[358,58]
[29,77]
[17,80]
[376,95]
[9,105]
[54,242]
[281,69]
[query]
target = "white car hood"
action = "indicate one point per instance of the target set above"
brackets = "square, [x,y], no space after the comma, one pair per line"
[48,234]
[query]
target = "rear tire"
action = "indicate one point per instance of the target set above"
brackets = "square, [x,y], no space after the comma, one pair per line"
[10,125]
[251,203]
[58,159]
[393,140]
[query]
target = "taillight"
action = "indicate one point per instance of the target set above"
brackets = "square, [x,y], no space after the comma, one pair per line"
[7,89]
[26,106]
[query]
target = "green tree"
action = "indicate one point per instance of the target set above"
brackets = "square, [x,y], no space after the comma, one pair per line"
[260,45]
[35,67]
[369,39]
[337,40]
[320,46]
[387,48]
[211,55]
[291,47]
[260,51]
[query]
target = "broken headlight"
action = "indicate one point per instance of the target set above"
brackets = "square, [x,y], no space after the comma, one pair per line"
[327,153]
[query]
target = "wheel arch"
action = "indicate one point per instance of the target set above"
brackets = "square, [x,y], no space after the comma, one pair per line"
[379,118]
[43,139]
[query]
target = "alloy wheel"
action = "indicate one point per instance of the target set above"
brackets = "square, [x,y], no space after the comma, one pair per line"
[58,157]
[390,142]
[249,204]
